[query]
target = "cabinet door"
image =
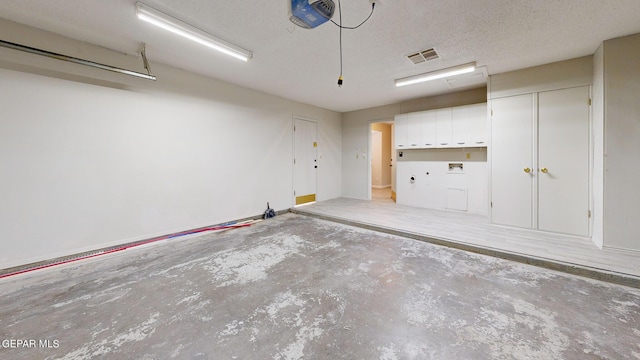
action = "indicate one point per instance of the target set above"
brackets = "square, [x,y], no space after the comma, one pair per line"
[470,125]
[428,129]
[477,125]
[511,155]
[401,131]
[414,130]
[563,161]
[444,128]
[460,125]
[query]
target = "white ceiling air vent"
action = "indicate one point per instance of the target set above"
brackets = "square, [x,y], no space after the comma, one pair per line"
[423,56]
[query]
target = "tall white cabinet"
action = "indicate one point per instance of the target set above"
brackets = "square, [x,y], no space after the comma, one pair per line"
[512,169]
[540,161]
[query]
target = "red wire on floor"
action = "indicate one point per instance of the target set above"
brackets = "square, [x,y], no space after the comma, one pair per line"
[125,247]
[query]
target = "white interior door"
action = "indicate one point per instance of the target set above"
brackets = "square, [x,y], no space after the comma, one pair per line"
[563,161]
[511,156]
[305,161]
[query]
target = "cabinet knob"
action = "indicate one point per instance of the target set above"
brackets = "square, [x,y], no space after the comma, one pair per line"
[544,170]
[527,170]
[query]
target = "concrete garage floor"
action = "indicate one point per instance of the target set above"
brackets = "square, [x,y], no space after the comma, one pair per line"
[296,287]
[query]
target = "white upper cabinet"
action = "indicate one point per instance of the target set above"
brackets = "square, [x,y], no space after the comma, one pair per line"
[470,125]
[428,129]
[462,126]
[414,128]
[401,131]
[444,128]
[478,125]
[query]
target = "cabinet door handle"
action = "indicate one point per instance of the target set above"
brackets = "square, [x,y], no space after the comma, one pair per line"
[479,142]
[444,143]
[544,170]
[527,170]
[428,144]
[414,144]
[400,145]
[461,143]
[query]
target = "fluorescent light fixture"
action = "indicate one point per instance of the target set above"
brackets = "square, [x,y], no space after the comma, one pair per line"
[438,74]
[178,27]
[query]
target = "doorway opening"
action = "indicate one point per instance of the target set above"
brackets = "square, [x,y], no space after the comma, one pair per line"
[382,174]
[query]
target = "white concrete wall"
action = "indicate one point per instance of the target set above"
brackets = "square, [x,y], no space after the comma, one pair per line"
[621,64]
[355,143]
[92,159]
[355,134]
[597,130]
[554,76]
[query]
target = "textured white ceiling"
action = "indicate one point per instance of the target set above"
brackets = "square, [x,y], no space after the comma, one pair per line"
[303,65]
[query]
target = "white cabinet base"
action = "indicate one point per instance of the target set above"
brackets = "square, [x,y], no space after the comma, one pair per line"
[434,187]
[457,199]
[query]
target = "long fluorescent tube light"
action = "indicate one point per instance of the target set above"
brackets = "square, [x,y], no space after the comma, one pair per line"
[438,74]
[178,27]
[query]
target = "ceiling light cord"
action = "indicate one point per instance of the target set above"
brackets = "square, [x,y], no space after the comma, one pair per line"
[340,79]
[373,5]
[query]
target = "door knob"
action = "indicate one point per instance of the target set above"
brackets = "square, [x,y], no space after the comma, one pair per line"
[544,170]
[527,170]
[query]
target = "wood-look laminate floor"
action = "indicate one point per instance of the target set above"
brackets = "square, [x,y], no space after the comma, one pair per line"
[381,194]
[473,232]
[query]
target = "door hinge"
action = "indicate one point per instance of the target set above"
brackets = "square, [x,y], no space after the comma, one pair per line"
[491,112]
[589,101]
[589,214]
[294,161]
[492,204]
